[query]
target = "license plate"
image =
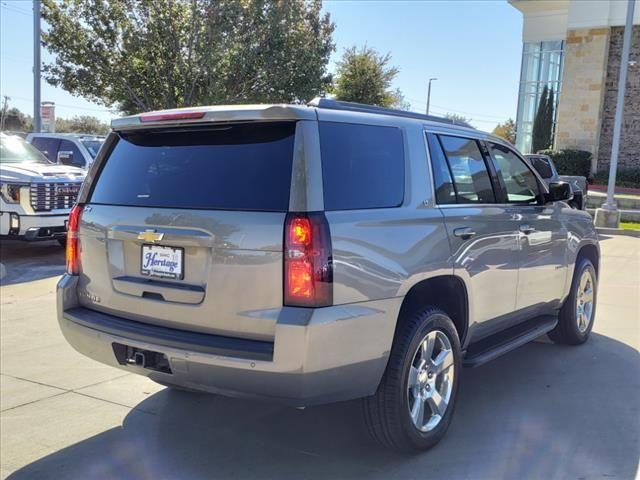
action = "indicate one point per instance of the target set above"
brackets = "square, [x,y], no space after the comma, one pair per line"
[166,262]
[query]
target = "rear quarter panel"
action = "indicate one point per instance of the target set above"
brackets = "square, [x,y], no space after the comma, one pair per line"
[381,254]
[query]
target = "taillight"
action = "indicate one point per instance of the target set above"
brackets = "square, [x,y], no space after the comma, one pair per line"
[73,243]
[308,264]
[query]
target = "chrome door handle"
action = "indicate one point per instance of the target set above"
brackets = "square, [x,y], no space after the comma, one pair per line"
[464,232]
[527,229]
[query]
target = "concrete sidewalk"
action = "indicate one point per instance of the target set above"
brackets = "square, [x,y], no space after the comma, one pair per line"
[543,411]
[629,205]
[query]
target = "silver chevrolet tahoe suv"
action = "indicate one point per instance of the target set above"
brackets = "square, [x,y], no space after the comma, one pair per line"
[318,253]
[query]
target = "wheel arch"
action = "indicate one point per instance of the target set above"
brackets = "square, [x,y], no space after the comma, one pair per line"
[447,292]
[591,252]
[587,249]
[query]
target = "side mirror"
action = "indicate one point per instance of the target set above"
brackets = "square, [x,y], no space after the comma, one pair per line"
[559,192]
[65,157]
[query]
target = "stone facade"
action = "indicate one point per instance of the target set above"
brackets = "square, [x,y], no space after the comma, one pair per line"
[583,85]
[629,155]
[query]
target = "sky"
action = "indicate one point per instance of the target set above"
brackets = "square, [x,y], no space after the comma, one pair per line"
[472,47]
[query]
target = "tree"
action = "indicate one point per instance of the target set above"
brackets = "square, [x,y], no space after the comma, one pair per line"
[138,55]
[14,120]
[400,102]
[82,124]
[365,76]
[458,119]
[506,130]
[549,120]
[542,135]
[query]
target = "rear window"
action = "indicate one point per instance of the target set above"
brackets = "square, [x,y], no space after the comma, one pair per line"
[231,167]
[542,166]
[362,166]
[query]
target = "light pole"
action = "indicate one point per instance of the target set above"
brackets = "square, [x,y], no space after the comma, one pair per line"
[608,215]
[429,93]
[36,66]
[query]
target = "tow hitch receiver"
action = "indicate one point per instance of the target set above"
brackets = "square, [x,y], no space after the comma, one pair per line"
[127,355]
[137,359]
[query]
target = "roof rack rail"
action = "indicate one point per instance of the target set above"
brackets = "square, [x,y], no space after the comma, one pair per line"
[330,104]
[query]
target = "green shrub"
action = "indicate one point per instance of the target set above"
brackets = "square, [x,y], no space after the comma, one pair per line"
[571,162]
[625,177]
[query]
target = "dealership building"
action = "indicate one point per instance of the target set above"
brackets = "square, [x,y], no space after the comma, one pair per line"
[574,47]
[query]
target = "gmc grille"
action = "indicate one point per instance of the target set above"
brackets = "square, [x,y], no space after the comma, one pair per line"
[53,196]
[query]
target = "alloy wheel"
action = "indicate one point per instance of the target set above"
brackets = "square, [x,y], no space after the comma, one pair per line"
[430,381]
[584,301]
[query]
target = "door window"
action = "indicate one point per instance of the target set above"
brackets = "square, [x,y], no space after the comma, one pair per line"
[78,158]
[469,171]
[48,146]
[519,181]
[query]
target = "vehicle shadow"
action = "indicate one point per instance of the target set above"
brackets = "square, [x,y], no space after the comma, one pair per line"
[602,236]
[543,411]
[27,261]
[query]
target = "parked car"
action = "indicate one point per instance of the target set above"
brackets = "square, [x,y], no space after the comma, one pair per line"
[312,254]
[547,169]
[36,195]
[16,133]
[73,149]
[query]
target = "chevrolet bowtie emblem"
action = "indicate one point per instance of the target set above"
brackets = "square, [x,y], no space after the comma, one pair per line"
[150,236]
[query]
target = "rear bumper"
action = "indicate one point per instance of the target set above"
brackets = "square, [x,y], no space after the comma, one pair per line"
[318,356]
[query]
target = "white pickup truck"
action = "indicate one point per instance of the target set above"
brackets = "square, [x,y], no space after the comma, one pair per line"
[35,194]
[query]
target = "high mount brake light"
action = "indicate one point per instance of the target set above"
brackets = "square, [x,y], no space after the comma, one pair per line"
[161,117]
[73,243]
[308,263]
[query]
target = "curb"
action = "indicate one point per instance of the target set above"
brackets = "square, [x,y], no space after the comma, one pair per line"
[618,231]
[620,190]
[625,215]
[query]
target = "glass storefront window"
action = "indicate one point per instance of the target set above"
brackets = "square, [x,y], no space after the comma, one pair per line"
[541,66]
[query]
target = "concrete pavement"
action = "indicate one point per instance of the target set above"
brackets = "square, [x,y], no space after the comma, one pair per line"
[543,411]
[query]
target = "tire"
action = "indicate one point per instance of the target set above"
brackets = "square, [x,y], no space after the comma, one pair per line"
[387,413]
[572,330]
[62,242]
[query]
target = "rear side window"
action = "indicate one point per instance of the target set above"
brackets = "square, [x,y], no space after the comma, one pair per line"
[542,166]
[230,167]
[78,158]
[469,170]
[445,191]
[362,166]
